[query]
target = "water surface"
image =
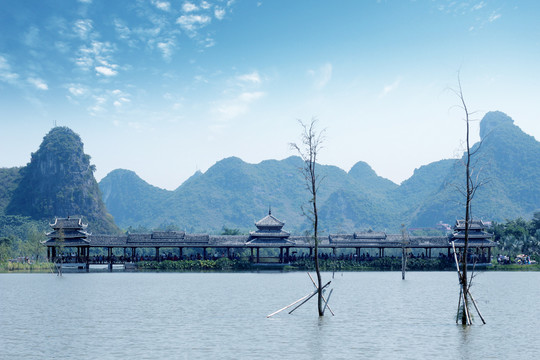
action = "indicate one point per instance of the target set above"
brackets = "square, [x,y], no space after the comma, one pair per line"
[223,315]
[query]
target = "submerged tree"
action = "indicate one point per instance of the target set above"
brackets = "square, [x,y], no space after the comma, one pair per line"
[308,151]
[472,183]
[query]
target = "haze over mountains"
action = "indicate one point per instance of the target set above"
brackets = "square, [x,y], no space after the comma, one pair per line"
[234,194]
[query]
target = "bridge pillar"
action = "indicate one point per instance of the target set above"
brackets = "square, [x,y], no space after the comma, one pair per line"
[109,253]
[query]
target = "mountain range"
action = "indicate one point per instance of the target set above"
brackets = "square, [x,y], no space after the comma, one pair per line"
[233,194]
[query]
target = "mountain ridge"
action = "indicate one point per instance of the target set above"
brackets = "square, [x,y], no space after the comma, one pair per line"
[234,194]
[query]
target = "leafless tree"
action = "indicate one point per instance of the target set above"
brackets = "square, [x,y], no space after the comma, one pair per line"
[308,149]
[472,183]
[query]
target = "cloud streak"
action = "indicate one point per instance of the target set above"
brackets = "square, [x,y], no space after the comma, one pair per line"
[38,83]
[321,76]
[6,74]
[387,89]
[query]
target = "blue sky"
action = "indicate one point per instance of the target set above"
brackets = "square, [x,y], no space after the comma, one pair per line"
[166,88]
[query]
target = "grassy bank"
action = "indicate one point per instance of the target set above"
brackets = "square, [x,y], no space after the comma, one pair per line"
[224,264]
[43,267]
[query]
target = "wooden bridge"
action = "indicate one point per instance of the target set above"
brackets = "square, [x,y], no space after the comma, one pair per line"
[69,233]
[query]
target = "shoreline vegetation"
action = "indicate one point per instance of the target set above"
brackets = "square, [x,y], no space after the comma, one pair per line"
[227,265]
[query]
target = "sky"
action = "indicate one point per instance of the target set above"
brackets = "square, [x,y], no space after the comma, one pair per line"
[167,88]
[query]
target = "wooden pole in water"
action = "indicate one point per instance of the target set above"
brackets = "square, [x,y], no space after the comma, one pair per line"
[288,306]
[404,242]
[315,284]
[314,293]
[326,302]
[458,304]
[476,307]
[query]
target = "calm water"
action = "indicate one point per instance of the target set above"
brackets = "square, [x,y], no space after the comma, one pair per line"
[223,316]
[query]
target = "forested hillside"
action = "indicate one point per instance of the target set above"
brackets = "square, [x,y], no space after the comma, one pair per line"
[233,194]
[59,181]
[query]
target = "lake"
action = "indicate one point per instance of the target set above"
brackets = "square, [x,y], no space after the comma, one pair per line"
[223,316]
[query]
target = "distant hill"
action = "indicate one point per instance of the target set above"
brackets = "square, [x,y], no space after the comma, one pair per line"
[59,181]
[234,194]
[9,180]
[507,161]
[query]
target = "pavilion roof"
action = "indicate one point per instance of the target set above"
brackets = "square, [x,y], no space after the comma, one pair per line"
[67,234]
[68,223]
[269,222]
[473,225]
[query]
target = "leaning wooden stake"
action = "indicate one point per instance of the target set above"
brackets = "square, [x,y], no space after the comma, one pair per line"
[476,307]
[315,284]
[458,305]
[288,306]
[310,296]
[462,296]
[326,302]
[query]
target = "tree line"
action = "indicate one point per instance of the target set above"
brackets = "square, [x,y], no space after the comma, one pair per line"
[519,236]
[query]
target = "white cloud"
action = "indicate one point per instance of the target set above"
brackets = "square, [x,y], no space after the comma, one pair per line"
[137,126]
[189,7]
[208,42]
[99,105]
[494,17]
[192,22]
[219,13]
[389,88]
[122,29]
[6,74]
[253,77]
[478,6]
[31,38]
[77,90]
[205,5]
[38,83]
[166,48]
[62,47]
[105,70]
[85,1]
[162,5]
[232,108]
[97,56]
[83,27]
[249,97]
[321,76]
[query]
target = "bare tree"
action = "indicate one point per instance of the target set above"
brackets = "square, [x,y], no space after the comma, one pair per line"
[311,143]
[472,185]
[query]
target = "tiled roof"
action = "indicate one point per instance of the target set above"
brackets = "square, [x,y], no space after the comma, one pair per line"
[68,223]
[269,221]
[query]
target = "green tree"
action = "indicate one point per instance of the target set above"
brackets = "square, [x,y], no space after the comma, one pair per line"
[6,248]
[33,246]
